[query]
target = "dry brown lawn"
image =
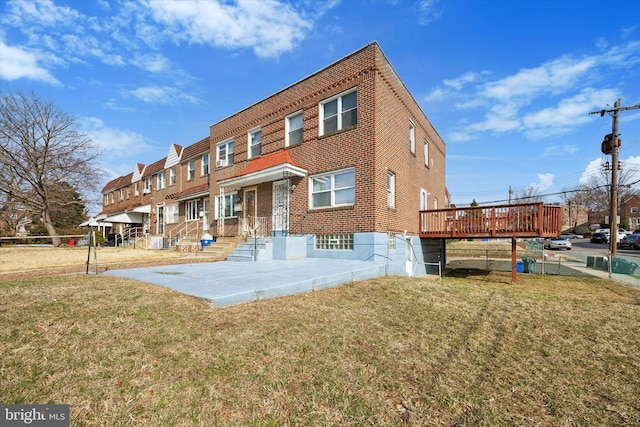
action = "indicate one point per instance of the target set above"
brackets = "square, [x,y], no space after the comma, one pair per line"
[473,349]
[30,260]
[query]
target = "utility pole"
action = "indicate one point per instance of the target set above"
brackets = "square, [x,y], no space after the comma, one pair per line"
[613,219]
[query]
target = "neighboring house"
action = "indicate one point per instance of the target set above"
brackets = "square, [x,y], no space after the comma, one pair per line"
[575,218]
[630,212]
[336,165]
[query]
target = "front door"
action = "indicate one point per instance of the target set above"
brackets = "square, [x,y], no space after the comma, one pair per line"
[280,207]
[160,223]
[250,207]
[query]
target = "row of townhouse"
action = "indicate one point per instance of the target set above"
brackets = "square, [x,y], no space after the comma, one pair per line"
[335,165]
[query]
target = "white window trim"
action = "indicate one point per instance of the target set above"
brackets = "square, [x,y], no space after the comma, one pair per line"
[224,162]
[219,208]
[172,213]
[412,137]
[287,127]
[172,176]
[205,165]
[191,170]
[161,180]
[250,146]
[188,208]
[391,189]
[325,101]
[331,174]
[424,195]
[426,153]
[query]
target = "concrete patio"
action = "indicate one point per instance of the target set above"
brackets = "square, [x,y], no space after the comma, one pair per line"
[227,283]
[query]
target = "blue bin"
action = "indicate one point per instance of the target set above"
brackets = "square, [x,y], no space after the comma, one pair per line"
[205,242]
[519,266]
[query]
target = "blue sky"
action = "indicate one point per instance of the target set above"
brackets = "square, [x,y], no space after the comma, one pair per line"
[508,85]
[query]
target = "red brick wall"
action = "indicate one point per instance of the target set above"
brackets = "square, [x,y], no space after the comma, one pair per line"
[379,141]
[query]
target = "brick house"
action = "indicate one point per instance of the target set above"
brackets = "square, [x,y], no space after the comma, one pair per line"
[630,212]
[336,165]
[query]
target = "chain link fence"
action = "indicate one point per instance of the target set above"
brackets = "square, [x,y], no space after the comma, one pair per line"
[532,258]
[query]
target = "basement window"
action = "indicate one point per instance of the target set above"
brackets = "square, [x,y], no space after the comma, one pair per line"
[334,241]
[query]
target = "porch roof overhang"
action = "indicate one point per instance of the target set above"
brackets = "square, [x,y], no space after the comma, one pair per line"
[142,209]
[272,167]
[98,221]
[190,193]
[129,217]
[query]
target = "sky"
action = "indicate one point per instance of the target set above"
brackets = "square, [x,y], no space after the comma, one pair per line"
[508,85]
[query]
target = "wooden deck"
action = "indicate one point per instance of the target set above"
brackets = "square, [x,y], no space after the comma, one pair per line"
[515,220]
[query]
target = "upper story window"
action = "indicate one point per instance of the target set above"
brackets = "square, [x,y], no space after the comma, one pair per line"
[147,185]
[205,165]
[191,170]
[339,112]
[105,200]
[634,209]
[255,143]
[224,154]
[333,189]
[161,180]
[426,153]
[293,129]
[121,194]
[391,189]
[136,189]
[172,176]
[128,192]
[412,137]
[111,198]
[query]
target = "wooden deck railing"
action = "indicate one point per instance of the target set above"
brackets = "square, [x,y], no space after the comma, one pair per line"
[519,220]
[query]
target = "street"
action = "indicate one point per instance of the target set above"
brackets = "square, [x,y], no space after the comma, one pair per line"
[581,248]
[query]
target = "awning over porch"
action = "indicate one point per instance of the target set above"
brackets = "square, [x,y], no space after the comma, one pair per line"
[126,218]
[268,168]
[191,193]
[99,221]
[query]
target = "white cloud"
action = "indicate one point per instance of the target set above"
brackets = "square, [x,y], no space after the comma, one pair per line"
[566,88]
[114,142]
[462,80]
[559,150]
[427,12]
[43,13]
[162,95]
[567,115]
[459,137]
[545,180]
[558,75]
[269,27]
[17,63]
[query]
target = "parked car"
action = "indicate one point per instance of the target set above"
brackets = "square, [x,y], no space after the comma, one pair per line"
[83,241]
[631,241]
[570,236]
[599,238]
[557,243]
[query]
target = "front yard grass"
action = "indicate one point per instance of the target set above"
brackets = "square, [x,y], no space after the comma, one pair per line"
[470,350]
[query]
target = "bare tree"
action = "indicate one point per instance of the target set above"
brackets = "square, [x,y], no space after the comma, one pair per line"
[596,193]
[528,195]
[40,148]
